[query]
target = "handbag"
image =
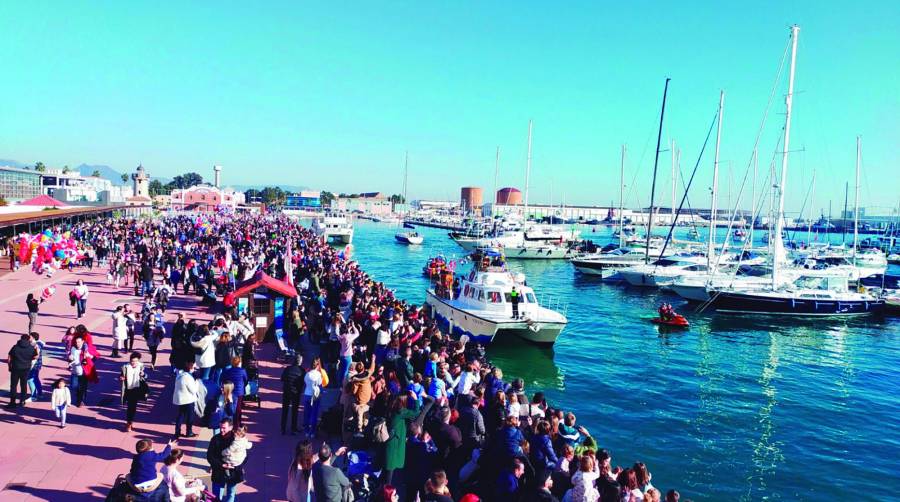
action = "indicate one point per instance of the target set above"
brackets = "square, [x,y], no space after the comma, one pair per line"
[144,389]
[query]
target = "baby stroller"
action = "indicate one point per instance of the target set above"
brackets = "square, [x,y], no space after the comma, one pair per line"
[251,392]
[362,475]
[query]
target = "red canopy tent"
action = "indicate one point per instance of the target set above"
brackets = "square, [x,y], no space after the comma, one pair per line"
[261,279]
[43,201]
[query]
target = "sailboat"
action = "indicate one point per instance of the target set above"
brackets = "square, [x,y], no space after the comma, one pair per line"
[806,296]
[409,238]
[534,241]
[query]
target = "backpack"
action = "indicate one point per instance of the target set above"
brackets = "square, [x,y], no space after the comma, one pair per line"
[380,432]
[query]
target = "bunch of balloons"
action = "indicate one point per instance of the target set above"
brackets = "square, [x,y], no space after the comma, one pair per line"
[48,251]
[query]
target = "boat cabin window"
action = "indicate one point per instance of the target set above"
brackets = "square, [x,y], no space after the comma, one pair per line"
[530,297]
[466,290]
[696,268]
[495,297]
[509,298]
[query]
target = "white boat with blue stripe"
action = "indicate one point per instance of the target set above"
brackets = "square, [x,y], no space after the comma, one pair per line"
[482,308]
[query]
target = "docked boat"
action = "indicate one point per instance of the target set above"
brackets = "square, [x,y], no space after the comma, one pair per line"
[664,271]
[406,224]
[807,296]
[333,227]
[483,308]
[607,264]
[409,238]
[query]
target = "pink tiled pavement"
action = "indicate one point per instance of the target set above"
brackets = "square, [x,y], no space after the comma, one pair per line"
[40,461]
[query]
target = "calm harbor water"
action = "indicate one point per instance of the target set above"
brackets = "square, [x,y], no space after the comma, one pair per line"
[736,408]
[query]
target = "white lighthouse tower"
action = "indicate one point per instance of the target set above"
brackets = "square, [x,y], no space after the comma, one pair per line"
[141,182]
[218,175]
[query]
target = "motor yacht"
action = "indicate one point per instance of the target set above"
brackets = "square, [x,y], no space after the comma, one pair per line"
[483,308]
[333,227]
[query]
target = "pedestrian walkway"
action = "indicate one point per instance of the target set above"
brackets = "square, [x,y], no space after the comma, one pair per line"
[40,461]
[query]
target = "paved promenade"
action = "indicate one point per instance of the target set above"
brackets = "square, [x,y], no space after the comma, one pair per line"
[40,461]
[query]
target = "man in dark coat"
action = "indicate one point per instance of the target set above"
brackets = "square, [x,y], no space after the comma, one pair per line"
[225,477]
[470,423]
[20,357]
[292,388]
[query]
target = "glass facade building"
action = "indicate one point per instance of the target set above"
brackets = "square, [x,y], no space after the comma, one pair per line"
[19,184]
[303,200]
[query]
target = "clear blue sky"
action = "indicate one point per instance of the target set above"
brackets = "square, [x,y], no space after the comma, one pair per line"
[330,96]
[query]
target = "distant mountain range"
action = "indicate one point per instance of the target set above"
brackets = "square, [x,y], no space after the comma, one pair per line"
[116,177]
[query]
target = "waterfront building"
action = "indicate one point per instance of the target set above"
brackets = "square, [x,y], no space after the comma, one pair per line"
[435,205]
[374,203]
[74,188]
[305,200]
[19,184]
[205,198]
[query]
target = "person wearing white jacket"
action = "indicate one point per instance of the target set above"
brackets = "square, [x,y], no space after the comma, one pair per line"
[60,400]
[184,396]
[206,359]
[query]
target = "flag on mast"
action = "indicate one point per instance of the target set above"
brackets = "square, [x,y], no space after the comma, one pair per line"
[289,263]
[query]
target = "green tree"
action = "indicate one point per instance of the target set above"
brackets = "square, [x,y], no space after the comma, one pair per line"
[273,195]
[124,178]
[252,195]
[66,170]
[397,199]
[326,198]
[156,188]
[40,167]
[96,173]
[186,180]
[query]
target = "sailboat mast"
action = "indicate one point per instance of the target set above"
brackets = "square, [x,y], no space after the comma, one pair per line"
[812,210]
[844,216]
[527,170]
[622,198]
[753,195]
[713,208]
[856,200]
[496,177]
[405,177]
[673,181]
[662,114]
[779,245]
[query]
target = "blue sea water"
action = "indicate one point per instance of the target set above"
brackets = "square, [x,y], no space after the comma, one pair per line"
[736,408]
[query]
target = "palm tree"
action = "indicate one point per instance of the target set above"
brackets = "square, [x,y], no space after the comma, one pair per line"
[124,178]
[40,167]
[65,170]
[96,173]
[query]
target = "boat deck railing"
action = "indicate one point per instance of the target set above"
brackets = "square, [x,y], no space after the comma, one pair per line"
[553,302]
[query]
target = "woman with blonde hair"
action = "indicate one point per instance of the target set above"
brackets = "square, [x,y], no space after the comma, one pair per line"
[583,489]
[226,406]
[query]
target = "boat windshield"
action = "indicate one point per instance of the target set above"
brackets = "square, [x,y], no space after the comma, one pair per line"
[822,283]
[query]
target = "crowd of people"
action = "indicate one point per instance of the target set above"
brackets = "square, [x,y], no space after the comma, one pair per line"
[392,408]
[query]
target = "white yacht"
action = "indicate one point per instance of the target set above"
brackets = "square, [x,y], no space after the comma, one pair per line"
[410,238]
[483,309]
[664,271]
[608,264]
[333,226]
